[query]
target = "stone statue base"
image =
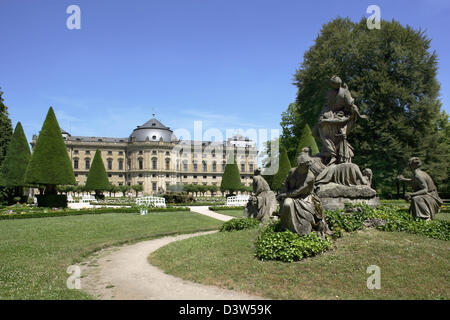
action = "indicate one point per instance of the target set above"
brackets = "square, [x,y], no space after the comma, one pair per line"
[334,190]
[339,203]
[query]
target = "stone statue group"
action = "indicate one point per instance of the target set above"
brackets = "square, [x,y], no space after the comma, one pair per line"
[330,179]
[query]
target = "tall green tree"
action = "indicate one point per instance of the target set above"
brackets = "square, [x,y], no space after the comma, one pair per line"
[231,179]
[391,73]
[50,164]
[12,172]
[284,166]
[5,129]
[97,179]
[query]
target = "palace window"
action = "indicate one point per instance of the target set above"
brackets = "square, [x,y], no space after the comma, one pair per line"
[242,167]
[141,163]
[205,166]
[251,167]
[185,165]
[75,151]
[214,166]
[109,152]
[223,165]
[154,186]
[167,164]
[195,166]
[109,164]
[154,163]
[87,164]
[87,152]
[141,152]
[120,153]
[120,164]
[154,152]
[75,163]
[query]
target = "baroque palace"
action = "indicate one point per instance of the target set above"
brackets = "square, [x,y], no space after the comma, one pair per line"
[154,157]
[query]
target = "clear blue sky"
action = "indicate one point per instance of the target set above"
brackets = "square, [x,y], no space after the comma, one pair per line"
[229,63]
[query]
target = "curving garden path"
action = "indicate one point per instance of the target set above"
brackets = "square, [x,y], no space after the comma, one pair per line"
[124,273]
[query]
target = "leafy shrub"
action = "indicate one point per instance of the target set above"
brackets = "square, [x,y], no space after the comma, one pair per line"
[287,246]
[178,197]
[402,221]
[239,224]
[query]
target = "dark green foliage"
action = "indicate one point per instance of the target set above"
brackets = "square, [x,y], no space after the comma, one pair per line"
[50,164]
[97,177]
[231,179]
[396,220]
[273,244]
[178,197]
[239,224]
[52,200]
[284,166]
[219,208]
[5,129]
[392,77]
[12,172]
[137,188]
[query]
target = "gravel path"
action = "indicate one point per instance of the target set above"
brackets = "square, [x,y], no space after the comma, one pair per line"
[124,273]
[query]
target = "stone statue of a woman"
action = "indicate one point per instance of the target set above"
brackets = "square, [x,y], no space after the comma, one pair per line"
[300,209]
[425,201]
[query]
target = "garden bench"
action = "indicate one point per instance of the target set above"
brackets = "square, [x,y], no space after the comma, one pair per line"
[237,201]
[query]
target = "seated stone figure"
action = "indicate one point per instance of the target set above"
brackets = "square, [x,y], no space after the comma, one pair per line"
[301,210]
[262,203]
[425,201]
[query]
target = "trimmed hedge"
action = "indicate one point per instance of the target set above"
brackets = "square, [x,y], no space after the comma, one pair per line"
[218,208]
[239,224]
[62,213]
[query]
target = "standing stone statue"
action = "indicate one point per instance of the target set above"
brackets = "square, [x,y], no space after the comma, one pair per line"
[301,210]
[425,201]
[335,122]
[262,203]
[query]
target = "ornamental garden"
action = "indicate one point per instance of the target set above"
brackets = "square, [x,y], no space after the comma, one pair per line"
[356,187]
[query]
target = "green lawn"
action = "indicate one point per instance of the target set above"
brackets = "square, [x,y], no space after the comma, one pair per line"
[412,266]
[232,212]
[35,253]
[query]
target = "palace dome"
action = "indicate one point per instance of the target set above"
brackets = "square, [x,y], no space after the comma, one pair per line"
[153,130]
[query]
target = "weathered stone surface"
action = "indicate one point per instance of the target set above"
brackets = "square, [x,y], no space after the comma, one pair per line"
[339,203]
[334,190]
[425,200]
[263,202]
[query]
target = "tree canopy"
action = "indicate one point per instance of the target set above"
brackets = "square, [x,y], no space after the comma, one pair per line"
[12,172]
[97,178]
[50,164]
[391,73]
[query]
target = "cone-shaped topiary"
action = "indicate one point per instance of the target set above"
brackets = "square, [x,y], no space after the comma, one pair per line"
[97,179]
[50,163]
[307,140]
[5,129]
[231,179]
[12,172]
[283,169]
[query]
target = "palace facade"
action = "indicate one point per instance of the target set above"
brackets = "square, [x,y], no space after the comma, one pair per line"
[152,156]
